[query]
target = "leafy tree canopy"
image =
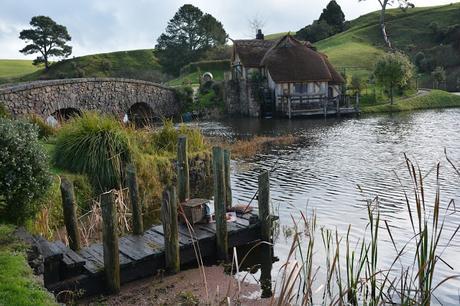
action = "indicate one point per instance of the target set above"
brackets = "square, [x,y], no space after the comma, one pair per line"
[47,38]
[392,70]
[333,15]
[189,34]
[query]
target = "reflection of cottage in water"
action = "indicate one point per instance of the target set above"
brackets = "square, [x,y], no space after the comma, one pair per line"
[284,76]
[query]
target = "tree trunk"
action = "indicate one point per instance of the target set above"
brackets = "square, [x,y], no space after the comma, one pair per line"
[382,25]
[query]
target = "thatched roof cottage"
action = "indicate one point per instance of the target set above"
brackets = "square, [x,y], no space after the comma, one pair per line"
[291,73]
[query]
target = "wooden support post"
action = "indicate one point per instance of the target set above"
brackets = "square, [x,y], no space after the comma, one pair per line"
[136,205]
[170,229]
[289,107]
[357,102]
[110,242]
[228,184]
[183,184]
[219,203]
[70,213]
[264,206]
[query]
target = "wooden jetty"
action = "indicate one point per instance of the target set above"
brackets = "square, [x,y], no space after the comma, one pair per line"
[140,255]
[104,267]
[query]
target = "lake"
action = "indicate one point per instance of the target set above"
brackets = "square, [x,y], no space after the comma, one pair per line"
[339,164]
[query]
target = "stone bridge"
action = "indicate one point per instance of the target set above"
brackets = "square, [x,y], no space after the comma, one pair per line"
[62,98]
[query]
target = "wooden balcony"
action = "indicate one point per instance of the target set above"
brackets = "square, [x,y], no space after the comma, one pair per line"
[316,105]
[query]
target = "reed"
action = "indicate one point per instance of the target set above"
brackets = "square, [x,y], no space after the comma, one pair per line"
[355,277]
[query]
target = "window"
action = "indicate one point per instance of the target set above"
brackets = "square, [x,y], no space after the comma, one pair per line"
[300,88]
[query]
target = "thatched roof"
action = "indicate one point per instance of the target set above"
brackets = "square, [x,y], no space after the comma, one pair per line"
[287,60]
[251,51]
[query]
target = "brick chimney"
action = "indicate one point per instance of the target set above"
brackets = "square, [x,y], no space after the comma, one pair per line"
[260,35]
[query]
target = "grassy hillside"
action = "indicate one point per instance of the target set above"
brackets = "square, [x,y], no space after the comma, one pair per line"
[139,64]
[362,44]
[15,68]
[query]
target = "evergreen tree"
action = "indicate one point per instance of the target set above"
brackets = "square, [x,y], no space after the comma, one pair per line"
[333,15]
[189,34]
[47,38]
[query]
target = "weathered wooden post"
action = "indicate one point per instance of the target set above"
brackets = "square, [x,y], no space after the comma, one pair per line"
[228,184]
[266,234]
[131,179]
[219,203]
[264,206]
[70,213]
[170,229]
[110,242]
[183,184]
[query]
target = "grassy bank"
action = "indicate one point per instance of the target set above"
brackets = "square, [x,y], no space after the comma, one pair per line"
[15,68]
[434,99]
[18,286]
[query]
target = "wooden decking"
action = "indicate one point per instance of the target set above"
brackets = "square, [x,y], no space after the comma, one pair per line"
[315,105]
[140,256]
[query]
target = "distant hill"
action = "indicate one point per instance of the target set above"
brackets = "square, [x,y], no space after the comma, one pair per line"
[13,68]
[359,47]
[137,64]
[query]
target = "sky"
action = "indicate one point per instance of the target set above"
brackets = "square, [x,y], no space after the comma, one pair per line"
[98,26]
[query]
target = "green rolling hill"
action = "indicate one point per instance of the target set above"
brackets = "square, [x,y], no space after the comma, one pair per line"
[355,50]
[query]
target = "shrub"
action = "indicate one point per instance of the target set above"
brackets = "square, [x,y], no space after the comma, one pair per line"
[95,145]
[4,112]
[44,130]
[185,97]
[165,140]
[24,173]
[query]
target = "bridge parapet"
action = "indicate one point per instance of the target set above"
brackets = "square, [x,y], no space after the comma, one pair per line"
[108,95]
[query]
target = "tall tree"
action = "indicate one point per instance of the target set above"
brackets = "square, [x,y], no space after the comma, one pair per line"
[47,38]
[333,15]
[403,4]
[188,35]
[392,70]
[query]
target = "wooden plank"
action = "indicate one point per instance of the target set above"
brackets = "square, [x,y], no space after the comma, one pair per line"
[183,240]
[70,259]
[93,264]
[155,239]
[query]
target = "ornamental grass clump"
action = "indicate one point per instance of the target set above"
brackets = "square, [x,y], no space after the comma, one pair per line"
[24,171]
[165,140]
[98,146]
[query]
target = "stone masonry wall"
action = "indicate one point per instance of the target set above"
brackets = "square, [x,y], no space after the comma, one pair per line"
[108,95]
[239,99]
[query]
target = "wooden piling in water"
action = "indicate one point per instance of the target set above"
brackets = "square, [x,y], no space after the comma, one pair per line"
[170,229]
[183,184]
[264,206]
[136,205]
[219,203]
[228,185]
[110,242]
[70,213]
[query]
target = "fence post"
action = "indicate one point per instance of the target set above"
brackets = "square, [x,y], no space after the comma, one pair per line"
[170,229]
[110,242]
[70,213]
[131,178]
[183,184]
[219,202]
[228,184]
[264,206]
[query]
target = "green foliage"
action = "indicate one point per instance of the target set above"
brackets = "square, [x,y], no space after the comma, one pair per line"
[357,83]
[184,95]
[18,286]
[95,145]
[188,35]
[206,66]
[23,171]
[4,113]
[165,140]
[44,130]
[333,16]
[393,70]
[47,38]
[438,75]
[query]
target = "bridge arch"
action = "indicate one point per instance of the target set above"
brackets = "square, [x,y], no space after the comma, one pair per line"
[141,114]
[106,95]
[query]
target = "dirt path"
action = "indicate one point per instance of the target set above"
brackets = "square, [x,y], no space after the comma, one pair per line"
[185,288]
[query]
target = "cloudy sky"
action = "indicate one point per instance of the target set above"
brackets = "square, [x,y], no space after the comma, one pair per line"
[109,25]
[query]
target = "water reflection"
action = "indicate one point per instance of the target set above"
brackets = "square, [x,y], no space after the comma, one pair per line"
[340,163]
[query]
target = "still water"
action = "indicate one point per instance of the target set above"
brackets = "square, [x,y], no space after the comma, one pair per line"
[338,164]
